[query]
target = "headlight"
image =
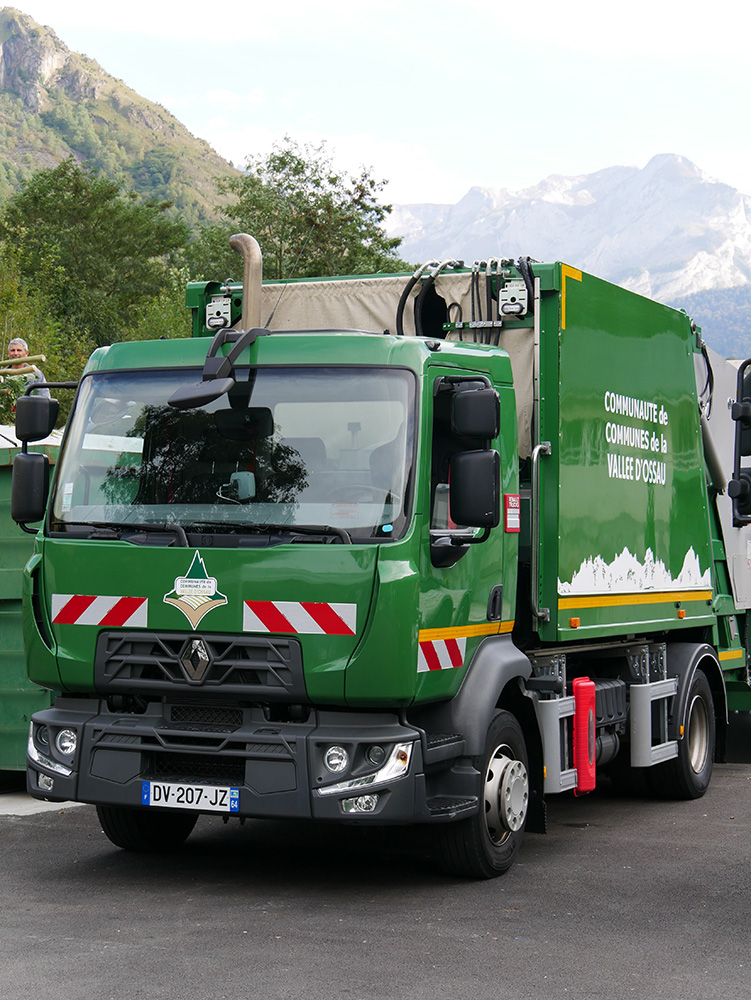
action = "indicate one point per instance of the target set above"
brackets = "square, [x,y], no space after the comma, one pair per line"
[41,759]
[336,759]
[66,742]
[395,767]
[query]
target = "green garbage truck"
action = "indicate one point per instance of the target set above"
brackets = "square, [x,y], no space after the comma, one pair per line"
[395,549]
[19,698]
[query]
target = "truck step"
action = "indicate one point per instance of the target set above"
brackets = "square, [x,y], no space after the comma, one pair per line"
[449,806]
[442,746]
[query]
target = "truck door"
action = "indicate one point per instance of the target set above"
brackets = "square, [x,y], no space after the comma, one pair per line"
[461,598]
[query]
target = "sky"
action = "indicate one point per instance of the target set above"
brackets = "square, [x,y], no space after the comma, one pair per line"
[438,97]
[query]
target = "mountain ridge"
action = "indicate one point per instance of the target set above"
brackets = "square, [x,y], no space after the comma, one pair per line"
[667,230]
[56,103]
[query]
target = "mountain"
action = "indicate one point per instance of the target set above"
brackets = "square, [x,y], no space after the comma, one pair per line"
[724,316]
[668,231]
[55,103]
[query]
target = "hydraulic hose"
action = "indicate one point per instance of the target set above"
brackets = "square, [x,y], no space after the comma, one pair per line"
[406,293]
[706,395]
[476,315]
[493,262]
[524,265]
[427,285]
[489,265]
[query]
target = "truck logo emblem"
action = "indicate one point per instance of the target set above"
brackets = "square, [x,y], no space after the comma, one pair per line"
[195,660]
[195,594]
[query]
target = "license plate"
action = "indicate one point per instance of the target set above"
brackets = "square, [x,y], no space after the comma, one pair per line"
[205,798]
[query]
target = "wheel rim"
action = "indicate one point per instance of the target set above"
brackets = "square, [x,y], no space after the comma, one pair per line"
[506,795]
[698,734]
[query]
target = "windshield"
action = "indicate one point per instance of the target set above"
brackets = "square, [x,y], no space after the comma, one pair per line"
[328,447]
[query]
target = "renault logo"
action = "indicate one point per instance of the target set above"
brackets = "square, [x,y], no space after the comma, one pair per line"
[195,660]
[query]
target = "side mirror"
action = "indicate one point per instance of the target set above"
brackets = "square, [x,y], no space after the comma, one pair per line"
[35,417]
[739,487]
[475,413]
[30,486]
[741,412]
[739,491]
[475,497]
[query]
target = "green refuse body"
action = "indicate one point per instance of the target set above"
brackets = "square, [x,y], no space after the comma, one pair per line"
[19,698]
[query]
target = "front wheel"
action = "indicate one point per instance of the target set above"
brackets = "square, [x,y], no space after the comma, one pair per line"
[485,845]
[687,775]
[144,831]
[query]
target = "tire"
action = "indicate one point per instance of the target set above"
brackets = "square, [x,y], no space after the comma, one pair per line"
[485,845]
[687,776]
[143,830]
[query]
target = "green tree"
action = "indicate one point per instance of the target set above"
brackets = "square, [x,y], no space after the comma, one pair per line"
[163,315]
[309,218]
[24,313]
[99,252]
[209,257]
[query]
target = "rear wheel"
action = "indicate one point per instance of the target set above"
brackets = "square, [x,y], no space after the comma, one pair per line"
[145,831]
[485,845]
[687,775]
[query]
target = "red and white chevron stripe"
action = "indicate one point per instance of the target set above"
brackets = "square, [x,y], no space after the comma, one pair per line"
[440,654]
[300,617]
[111,612]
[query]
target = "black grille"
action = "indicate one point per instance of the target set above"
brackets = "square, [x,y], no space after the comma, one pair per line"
[119,738]
[181,767]
[266,669]
[203,715]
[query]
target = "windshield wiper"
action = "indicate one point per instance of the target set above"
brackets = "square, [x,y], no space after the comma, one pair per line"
[119,526]
[287,529]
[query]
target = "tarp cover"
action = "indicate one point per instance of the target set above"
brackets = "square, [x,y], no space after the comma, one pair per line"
[371,304]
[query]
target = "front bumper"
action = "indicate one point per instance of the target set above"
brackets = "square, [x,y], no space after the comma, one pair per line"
[277,767]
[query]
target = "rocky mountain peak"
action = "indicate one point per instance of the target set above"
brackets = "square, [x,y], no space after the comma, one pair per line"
[31,58]
[56,103]
[666,230]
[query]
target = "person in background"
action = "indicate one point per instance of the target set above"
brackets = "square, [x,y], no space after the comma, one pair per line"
[19,349]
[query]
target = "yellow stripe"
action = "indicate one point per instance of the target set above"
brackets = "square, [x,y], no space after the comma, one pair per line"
[567,272]
[732,654]
[463,631]
[622,600]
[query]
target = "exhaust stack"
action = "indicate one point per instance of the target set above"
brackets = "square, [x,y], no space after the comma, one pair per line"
[250,251]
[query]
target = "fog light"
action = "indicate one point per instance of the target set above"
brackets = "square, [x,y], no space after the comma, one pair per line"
[45,782]
[362,804]
[43,736]
[376,755]
[336,759]
[66,741]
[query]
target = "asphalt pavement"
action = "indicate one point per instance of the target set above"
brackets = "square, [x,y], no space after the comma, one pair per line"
[624,897]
